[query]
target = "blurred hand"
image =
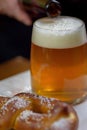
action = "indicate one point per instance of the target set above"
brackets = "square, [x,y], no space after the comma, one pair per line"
[14,8]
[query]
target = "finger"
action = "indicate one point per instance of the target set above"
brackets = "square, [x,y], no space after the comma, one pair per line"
[22,16]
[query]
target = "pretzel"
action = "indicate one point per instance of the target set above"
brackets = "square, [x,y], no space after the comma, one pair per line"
[27,111]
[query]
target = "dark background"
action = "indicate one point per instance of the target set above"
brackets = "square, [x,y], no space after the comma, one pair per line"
[15,38]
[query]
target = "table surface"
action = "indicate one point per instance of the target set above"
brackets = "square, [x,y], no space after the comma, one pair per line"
[21,82]
[13,66]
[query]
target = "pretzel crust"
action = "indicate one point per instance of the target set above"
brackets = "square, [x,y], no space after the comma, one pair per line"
[27,111]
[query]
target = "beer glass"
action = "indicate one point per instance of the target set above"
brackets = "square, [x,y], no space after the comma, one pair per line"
[59,58]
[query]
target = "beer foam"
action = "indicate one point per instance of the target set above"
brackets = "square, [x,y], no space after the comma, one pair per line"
[60,32]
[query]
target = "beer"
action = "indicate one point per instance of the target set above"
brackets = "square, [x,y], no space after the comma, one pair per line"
[59,58]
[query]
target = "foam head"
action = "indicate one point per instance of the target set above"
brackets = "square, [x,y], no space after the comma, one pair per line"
[60,32]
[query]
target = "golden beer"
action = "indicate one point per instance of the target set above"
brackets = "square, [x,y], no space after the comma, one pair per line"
[59,58]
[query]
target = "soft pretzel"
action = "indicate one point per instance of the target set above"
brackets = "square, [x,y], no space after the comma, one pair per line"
[26,111]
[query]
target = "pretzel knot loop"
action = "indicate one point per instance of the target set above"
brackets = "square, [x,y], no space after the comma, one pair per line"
[26,111]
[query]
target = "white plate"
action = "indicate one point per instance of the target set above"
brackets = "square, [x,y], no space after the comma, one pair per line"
[15,84]
[21,83]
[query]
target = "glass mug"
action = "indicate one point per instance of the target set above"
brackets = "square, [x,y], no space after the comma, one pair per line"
[59,58]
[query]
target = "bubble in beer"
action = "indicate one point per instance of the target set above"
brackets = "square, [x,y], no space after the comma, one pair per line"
[53,8]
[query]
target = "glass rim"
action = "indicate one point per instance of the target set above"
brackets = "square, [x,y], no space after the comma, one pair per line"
[56,30]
